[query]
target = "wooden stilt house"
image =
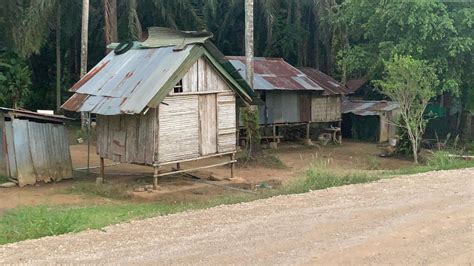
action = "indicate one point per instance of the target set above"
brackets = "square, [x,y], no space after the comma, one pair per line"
[168,100]
[291,96]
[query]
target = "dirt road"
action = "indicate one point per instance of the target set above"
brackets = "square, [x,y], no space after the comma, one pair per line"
[426,218]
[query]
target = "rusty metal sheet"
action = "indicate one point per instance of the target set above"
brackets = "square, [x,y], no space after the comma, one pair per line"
[125,83]
[365,108]
[330,85]
[34,115]
[275,74]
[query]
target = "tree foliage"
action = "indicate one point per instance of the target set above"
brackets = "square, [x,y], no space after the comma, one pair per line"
[345,38]
[411,83]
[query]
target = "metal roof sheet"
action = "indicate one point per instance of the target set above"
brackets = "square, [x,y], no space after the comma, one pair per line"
[330,85]
[365,108]
[142,76]
[355,84]
[126,83]
[34,115]
[275,74]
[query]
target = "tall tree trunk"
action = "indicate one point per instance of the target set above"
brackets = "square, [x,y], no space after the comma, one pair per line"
[466,126]
[58,58]
[84,43]
[249,52]
[110,21]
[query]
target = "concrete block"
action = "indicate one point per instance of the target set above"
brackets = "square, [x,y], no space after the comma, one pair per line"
[273,145]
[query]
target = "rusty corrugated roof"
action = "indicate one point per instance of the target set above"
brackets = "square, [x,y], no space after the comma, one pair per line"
[354,84]
[330,85]
[275,74]
[140,78]
[364,108]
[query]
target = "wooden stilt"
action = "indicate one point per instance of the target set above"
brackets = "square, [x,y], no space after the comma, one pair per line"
[232,165]
[308,127]
[101,177]
[274,134]
[155,177]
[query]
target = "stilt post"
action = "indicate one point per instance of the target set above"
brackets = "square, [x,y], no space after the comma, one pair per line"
[308,127]
[274,133]
[156,170]
[232,165]
[101,177]
[178,166]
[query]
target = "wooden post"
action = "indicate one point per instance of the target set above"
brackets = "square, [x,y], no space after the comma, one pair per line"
[308,127]
[274,134]
[178,166]
[232,165]
[155,177]
[101,177]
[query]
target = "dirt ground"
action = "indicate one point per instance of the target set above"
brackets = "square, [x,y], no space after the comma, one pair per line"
[420,219]
[347,157]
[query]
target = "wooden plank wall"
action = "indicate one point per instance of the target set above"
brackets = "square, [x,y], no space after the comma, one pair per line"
[127,138]
[226,118]
[179,133]
[208,123]
[203,77]
[326,108]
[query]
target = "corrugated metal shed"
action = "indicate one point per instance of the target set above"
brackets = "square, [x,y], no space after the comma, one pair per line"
[129,83]
[364,108]
[330,85]
[275,74]
[33,147]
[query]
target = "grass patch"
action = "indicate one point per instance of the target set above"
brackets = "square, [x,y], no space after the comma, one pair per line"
[320,178]
[263,159]
[111,191]
[35,222]
[439,161]
[4,179]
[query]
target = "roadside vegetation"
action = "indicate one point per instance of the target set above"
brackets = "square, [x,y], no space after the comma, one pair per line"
[35,222]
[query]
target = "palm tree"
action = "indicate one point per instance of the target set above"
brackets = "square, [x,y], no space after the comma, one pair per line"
[249,46]
[84,42]
[110,21]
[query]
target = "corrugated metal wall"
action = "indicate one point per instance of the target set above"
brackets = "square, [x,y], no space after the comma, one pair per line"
[282,107]
[36,151]
[3,158]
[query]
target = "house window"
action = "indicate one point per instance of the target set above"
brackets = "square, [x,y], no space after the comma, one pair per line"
[178,88]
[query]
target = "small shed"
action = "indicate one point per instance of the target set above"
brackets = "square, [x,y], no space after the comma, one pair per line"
[168,100]
[369,120]
[33,147]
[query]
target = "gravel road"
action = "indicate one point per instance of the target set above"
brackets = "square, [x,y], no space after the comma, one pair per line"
[424,218]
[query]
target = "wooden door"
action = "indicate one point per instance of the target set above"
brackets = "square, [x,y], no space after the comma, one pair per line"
[208,123]
[305,107]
